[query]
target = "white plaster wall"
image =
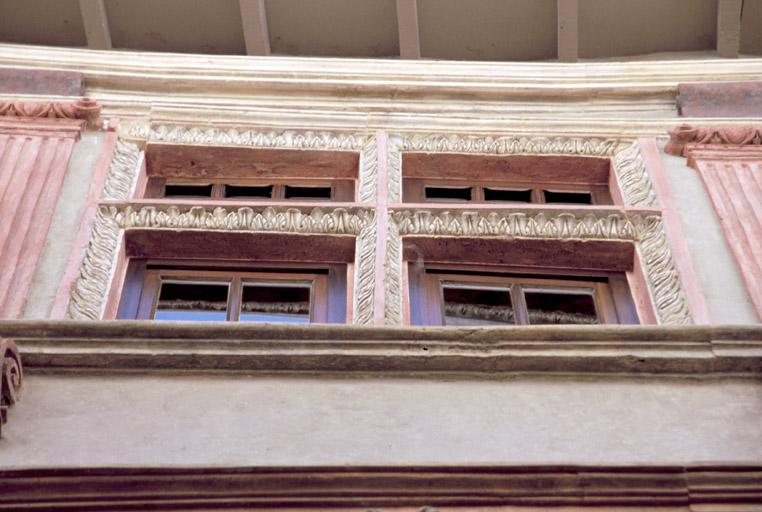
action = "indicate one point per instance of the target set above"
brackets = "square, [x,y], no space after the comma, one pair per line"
[724,291]
[246,420]
[64,225]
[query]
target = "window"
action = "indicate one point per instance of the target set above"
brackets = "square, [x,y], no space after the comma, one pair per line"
[195,291]
[512,180]
[461,295]
[254,190]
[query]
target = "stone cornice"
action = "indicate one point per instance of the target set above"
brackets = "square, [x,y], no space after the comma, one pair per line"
[420,488]
[142,346]
[83,109]
[684,137]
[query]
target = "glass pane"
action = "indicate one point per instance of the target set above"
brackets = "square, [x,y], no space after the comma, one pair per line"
[568,197]
[275,302]
[448,193]
[259,191]
[171,190]
[474,305]
[307,192]
[507,195]
[182,300]
[560,308]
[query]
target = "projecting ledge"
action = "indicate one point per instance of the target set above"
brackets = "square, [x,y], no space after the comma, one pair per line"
[158,347]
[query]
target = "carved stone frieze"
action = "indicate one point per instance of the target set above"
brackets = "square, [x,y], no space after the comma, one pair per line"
[90,291]
[644,229]
[11,376]
[122,173]
[83,108]
[685,134]
[633,177]
[510,145]
[247,137]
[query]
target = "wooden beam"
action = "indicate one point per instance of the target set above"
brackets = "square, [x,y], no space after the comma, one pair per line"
[729,28]
[96,24]
[255,31]
[568,40]
[407,25]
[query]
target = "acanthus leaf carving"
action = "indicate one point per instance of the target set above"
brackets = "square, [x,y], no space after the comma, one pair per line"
[122,173]
[683,135]
[509,144]
[633,177]
[84,108]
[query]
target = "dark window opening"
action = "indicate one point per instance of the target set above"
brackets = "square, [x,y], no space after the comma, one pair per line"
[263,191]
[449,193]
[178,190]
[507,195]
[568,197]
[546,307]
[270,302]
[472,305]
[302,192]
[192,301]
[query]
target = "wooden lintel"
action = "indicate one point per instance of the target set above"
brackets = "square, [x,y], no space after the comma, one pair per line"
[95,22]
[568,40]
[729,28]
[255,31]
[407,25]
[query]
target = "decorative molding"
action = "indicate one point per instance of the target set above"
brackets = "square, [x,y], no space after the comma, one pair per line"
[393,285]
[680,137]
[84,109]
[368,179]
[11,377]
[394,146]
[669,298]
[246,137]
[122,173]
[633,178]
[365,274]
[91,289]
[646,230]
[510,145]
[599,225]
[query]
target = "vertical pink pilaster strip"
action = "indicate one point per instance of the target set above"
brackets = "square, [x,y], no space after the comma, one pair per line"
[734,184]
[674,231]
[32,168]
[382,213]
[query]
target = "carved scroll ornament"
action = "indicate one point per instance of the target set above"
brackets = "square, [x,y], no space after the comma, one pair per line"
[11,376]
[83,108]
[683,135]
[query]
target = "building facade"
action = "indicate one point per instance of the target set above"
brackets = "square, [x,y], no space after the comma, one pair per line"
[518,285]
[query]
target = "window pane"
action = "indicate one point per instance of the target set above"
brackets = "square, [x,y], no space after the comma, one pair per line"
[288,303]
[474,305]
[568,197]
[261,191]
[560,308]
[506,195]
[192,301]
[448,193]
[187,190]
[307,192]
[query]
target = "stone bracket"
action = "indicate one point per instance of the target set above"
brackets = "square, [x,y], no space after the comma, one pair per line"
[11,376]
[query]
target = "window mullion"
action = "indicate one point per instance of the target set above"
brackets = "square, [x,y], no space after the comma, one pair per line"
[234,300]
[519,304]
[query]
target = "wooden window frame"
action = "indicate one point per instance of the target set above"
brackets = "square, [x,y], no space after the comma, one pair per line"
[328,284]
[342,190]
[613,302]
[413,190]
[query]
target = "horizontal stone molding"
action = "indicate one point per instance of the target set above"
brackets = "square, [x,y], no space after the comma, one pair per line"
[84,109]
[683,136]
[145,346]
[663,488]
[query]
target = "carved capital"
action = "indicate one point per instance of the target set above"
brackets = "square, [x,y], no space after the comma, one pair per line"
[84,108]
[11,374]
[684,135]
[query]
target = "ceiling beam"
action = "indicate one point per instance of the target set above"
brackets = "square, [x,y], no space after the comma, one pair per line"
[407,25]
[568,30]
[729,28]
[96,24]
[255,31]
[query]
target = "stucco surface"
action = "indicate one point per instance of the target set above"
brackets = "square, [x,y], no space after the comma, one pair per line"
[247,420]
[724,291]
[65,223]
